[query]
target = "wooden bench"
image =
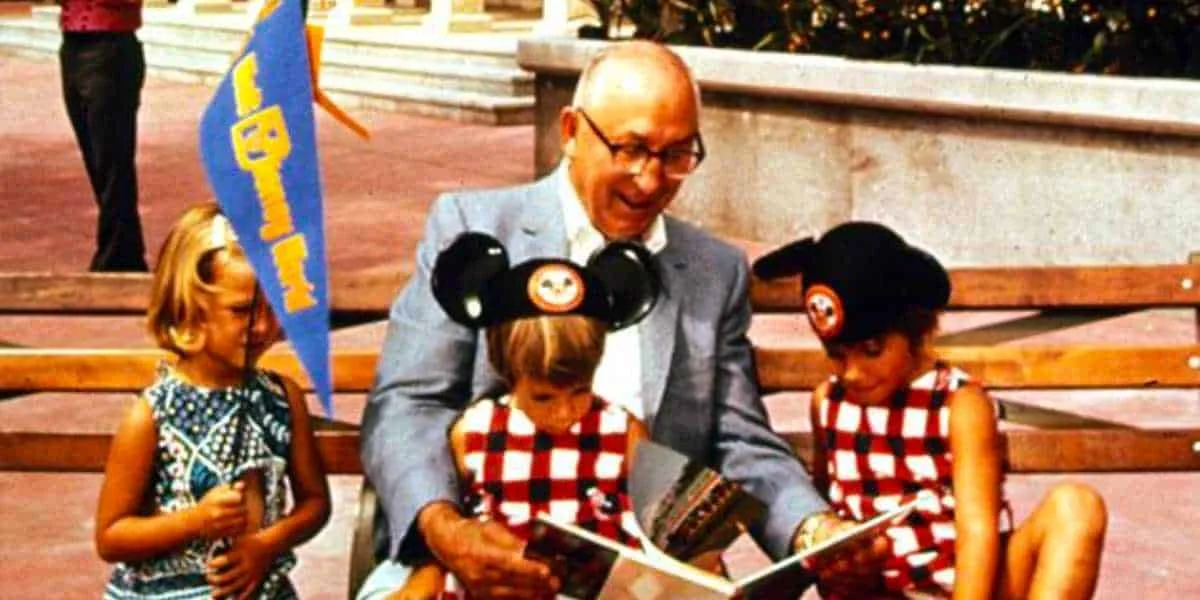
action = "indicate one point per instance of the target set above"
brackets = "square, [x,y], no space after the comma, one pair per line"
[354,297]
[1064,296]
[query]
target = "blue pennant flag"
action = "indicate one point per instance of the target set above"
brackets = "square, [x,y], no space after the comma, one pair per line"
[259,149]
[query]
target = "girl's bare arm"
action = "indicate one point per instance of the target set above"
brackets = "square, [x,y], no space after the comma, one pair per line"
[127,530]
[307,476]
[975,445]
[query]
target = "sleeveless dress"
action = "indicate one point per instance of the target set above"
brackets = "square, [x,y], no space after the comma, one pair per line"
[517,471]
[198,429]
[878,456]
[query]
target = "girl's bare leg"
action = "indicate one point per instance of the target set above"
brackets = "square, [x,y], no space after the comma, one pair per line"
[1055,553]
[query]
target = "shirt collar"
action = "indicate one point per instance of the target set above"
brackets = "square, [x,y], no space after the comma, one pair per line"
[582,237]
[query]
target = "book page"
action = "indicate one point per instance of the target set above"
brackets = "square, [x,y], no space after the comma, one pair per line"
[593,566]
[871,527]
[634,580]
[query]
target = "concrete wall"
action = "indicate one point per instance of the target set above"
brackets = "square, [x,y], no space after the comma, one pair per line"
[981,166]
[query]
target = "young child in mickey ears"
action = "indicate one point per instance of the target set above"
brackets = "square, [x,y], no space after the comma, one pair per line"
[194,500]
[549,445]
[893,420]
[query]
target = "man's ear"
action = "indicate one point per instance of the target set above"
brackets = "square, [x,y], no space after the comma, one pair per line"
[568,126]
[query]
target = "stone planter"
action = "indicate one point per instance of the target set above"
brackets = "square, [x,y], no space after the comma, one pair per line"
[982,166]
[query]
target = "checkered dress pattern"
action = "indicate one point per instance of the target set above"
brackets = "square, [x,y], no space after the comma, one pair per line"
[517,471]
[878,456]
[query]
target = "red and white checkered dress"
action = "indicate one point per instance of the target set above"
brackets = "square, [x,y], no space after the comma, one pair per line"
[878,456]
[517,471]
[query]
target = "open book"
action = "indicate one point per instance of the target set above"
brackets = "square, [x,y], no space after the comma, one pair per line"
[683,510]
[591,566]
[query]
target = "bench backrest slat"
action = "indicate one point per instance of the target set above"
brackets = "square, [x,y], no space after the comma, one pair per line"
[54,370]
[1036,451]
[1083,450]
[1018,367]
[87,452]
[129,293]
[1001,367]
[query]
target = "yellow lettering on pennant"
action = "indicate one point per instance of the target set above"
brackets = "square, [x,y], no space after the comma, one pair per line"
[289,255]
[261,142]
[246,95]
[277,215]
[268,7]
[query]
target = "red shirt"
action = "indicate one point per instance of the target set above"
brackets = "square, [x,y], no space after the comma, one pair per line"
[101,15]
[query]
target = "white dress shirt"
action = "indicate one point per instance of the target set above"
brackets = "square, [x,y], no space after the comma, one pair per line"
[618,378]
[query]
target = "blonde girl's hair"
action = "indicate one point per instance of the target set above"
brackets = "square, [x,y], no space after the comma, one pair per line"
[184,274]
[560,349]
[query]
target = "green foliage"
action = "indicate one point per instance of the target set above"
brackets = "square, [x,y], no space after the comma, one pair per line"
[1129,37]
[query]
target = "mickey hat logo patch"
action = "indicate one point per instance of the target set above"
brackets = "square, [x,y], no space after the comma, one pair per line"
[555,288]
[825,310]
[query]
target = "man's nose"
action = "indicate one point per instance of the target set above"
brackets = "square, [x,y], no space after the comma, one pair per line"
[651,179]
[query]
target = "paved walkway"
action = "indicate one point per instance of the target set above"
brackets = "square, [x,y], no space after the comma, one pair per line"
[376,197]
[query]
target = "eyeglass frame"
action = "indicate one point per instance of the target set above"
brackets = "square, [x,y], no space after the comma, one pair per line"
[661,155]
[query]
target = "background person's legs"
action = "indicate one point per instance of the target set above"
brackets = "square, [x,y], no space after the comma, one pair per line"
[102,82]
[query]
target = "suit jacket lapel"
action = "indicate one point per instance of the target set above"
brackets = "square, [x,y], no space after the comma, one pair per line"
[545,233]
[659,331]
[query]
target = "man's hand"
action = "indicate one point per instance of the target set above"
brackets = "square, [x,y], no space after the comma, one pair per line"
[485,557]
[851,570]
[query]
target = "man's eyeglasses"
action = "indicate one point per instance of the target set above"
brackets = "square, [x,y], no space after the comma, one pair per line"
[677,161]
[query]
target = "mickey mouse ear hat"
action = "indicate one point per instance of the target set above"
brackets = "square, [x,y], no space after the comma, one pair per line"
[473,283]
[858,279]
[628,272]
[462,272]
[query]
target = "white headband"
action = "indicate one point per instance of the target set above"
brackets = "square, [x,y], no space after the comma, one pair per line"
[222,234]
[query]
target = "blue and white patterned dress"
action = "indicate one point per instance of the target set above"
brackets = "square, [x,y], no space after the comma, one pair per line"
[197,429]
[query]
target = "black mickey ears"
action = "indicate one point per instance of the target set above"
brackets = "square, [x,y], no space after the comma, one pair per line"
[631,277]
[473,283]
[859,279]
[462,271]
[792,259]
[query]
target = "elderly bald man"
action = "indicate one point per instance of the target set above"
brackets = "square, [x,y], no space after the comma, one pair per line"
[629,140]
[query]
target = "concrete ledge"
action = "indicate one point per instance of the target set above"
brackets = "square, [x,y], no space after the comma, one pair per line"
[980,166]
[1152,105]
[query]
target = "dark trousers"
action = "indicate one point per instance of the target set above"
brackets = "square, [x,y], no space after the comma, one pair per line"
[102,76]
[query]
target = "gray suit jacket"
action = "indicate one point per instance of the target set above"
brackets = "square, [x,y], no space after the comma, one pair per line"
[699,382]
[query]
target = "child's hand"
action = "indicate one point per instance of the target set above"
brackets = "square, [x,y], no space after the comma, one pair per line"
[222,512]
[239,571]
[425,583]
